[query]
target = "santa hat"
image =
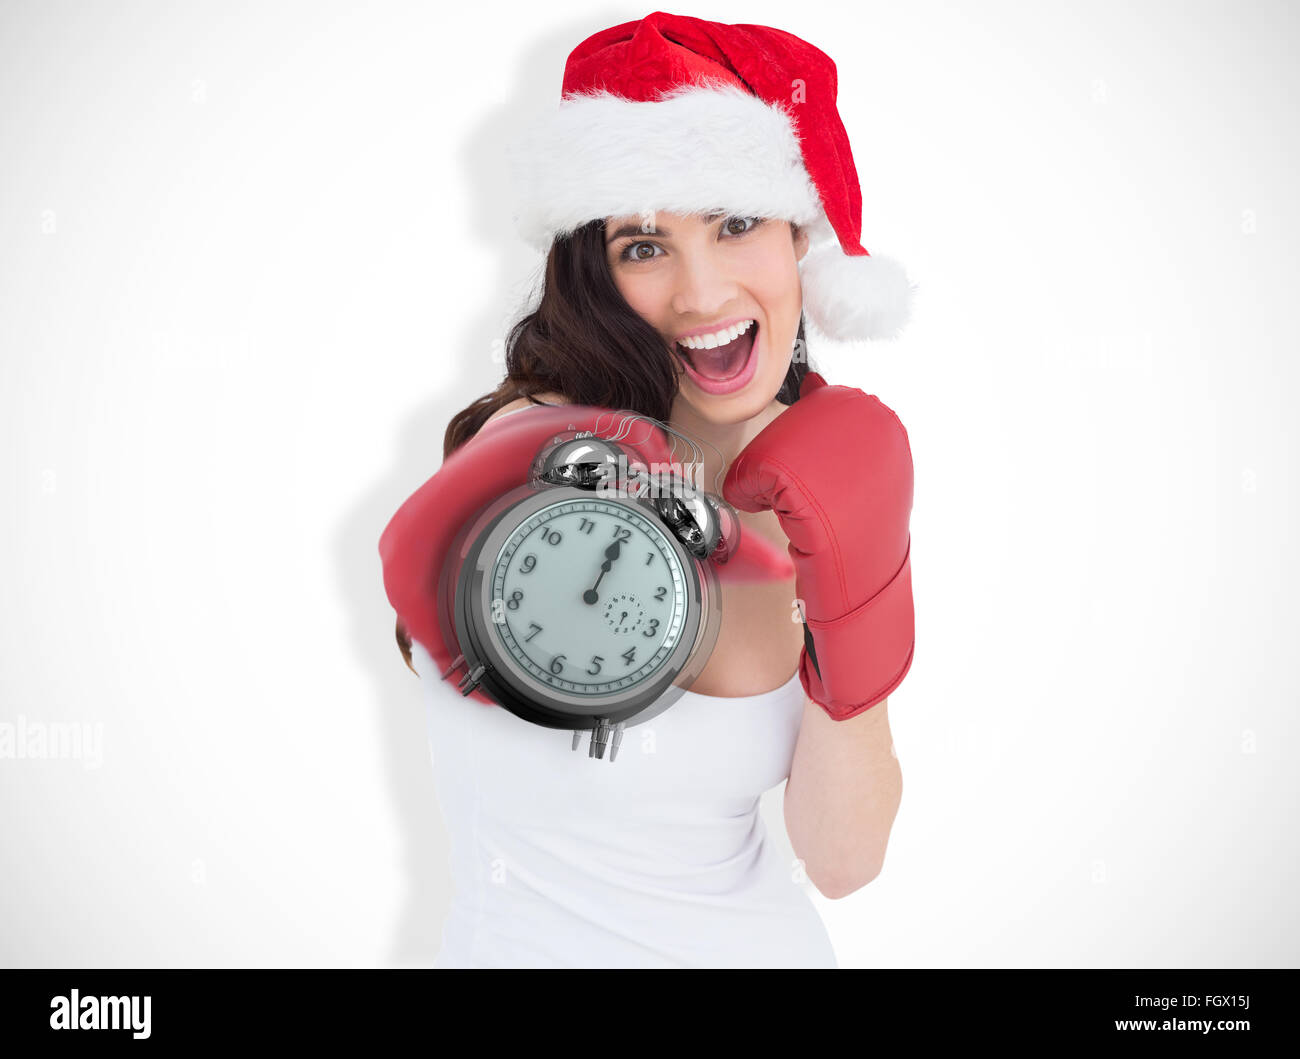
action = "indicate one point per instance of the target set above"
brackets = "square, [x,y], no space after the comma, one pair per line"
[677,114]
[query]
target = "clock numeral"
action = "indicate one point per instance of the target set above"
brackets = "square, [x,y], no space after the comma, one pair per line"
[556,665]
[515,597]
[621,534]
[586,525]
[526,567]
[649,558]
[629,655]
[536,629]
[660,592]
[595,661]
[654,628]
[554,537]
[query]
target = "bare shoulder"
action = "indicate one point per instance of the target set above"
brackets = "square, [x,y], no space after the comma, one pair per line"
[525,402]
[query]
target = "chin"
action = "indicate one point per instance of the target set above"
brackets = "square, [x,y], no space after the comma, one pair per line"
[730,409]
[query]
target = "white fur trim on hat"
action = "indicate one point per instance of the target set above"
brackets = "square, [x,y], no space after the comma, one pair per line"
[698,148]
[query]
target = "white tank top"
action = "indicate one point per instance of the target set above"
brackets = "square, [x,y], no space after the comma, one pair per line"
[659,858]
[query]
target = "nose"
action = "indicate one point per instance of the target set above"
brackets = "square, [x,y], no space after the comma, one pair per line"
[702,286]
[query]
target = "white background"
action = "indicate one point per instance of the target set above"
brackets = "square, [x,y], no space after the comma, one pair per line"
[253,257]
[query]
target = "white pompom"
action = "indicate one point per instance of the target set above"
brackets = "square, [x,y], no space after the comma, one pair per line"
[851,299]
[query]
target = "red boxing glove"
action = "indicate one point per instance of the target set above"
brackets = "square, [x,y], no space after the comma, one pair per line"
[836,467]
[417,540]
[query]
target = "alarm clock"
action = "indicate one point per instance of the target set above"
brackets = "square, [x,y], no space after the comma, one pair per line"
[587,598]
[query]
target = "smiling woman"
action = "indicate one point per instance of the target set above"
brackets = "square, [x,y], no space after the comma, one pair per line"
[680,207]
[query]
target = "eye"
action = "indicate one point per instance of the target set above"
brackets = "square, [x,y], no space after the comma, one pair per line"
[726,225]
[626,254]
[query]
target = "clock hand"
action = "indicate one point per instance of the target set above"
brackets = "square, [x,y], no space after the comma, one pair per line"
[611,553]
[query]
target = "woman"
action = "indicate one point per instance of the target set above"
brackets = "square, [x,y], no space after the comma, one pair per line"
[669,305]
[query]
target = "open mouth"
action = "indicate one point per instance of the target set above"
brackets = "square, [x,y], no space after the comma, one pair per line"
[723,368]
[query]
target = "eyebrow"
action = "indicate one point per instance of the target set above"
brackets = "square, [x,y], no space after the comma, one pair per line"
[635,229]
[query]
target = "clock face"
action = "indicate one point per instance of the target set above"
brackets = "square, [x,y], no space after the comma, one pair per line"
[588,596]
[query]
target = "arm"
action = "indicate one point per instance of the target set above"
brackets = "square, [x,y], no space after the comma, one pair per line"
[836,467]
[843,793]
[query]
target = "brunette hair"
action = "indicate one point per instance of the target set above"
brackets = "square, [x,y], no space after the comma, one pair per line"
[584,342]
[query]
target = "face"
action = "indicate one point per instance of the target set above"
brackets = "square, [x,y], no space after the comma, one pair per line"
[688,275]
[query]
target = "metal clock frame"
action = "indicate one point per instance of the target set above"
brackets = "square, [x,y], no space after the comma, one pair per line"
[490,665]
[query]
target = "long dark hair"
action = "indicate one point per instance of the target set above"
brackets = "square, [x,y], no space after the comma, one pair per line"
[584,342]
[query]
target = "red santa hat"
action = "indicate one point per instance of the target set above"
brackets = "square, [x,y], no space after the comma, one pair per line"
[677,114]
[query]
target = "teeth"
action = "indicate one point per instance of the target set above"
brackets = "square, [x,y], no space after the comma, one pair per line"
[718,338]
